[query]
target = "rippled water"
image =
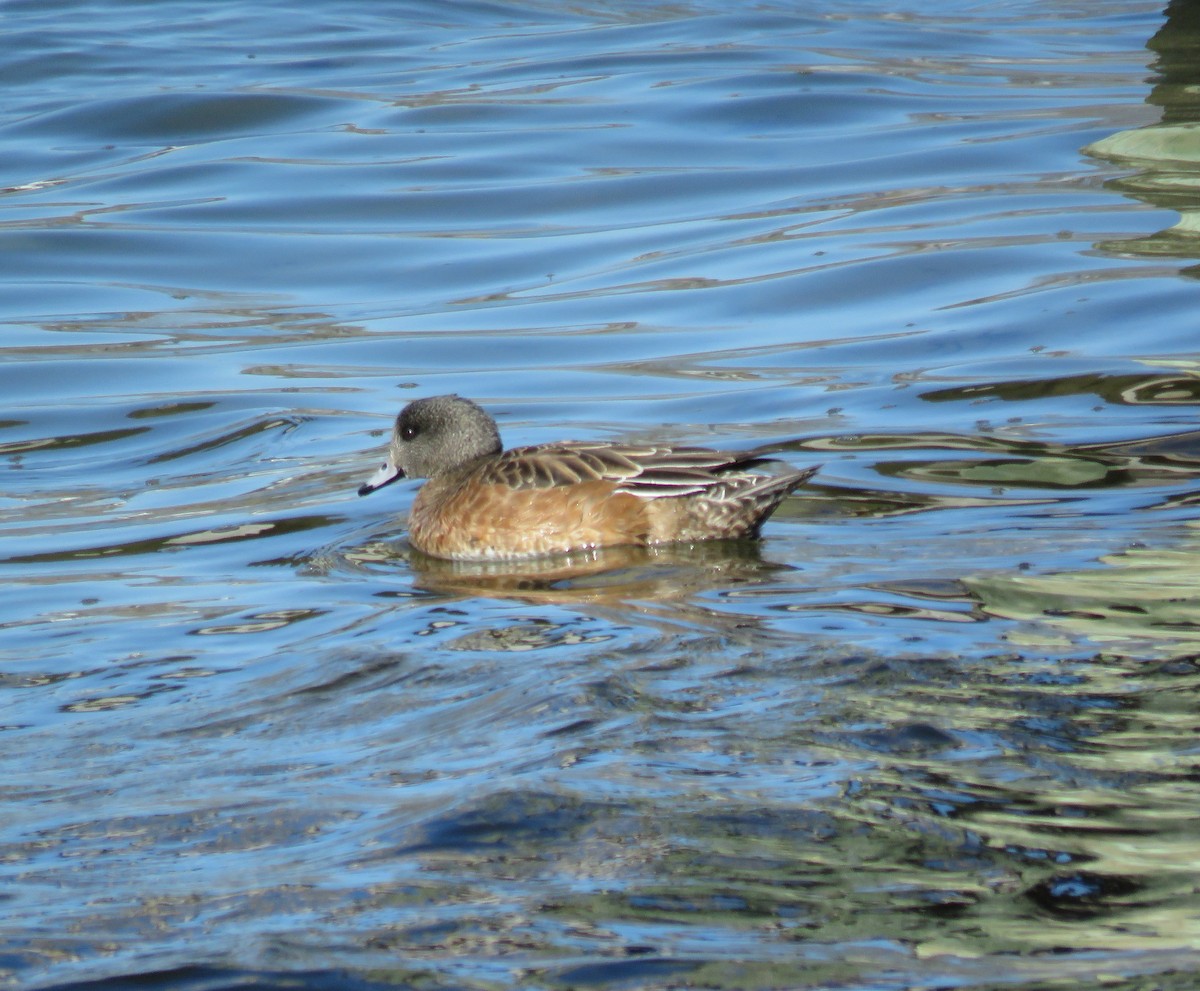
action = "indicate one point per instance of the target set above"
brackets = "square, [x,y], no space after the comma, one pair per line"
[936,730]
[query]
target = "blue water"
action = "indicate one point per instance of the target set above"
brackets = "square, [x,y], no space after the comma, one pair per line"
[934,730]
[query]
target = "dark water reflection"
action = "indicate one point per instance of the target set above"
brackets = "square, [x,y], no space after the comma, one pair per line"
[1166,154]
[936,730]
[924,809]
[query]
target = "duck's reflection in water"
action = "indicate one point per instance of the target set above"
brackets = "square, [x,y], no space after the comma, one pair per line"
[664,586]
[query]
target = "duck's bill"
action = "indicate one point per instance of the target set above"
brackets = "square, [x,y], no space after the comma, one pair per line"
[387,474]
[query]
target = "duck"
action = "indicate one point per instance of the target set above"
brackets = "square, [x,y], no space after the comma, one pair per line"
[481,502]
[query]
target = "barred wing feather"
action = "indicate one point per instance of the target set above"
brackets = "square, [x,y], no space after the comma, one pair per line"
[648,472]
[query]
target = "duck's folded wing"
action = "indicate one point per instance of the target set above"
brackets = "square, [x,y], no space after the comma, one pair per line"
[648,472]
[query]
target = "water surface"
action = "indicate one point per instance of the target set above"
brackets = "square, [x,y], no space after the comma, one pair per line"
[935,730]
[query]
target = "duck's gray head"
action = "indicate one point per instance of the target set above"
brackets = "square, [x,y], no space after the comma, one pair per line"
[435,435]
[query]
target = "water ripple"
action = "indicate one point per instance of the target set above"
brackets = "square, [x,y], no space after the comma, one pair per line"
[933,731]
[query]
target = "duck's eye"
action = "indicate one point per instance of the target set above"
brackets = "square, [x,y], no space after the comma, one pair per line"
[408,432]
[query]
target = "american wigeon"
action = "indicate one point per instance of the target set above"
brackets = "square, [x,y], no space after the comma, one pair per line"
[484,503]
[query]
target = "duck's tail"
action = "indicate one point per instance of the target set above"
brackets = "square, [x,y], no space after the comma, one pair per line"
[762,497]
